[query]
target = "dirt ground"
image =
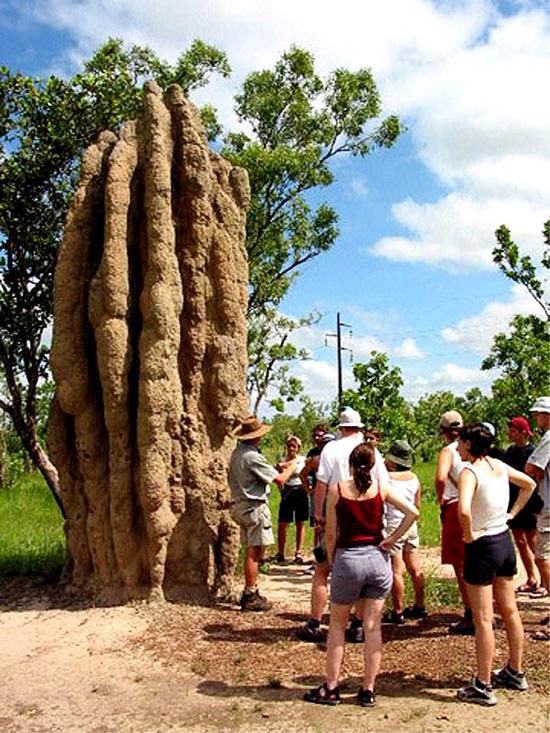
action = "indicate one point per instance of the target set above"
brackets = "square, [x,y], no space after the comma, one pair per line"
[66,667]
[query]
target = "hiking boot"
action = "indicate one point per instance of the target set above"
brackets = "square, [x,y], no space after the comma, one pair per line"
[415,612]
[355,633]
[314,634]
[366,698]
[506,677]
[323,696]
[476,694]
[464,627]
[253,601]
[393,617]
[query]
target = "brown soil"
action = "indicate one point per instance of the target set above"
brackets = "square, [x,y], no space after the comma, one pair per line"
[171,667]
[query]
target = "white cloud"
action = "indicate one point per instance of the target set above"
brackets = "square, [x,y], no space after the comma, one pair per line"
[359,187]
[408,350]
[476,332]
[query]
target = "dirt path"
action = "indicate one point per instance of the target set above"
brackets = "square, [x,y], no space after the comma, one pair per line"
[151,669]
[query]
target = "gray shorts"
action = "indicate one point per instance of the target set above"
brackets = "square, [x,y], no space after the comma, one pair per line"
[360,572]
[254,519]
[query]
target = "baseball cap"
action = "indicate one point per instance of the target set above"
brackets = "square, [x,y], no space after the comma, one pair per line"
[327,437]
[451,419]
[541,405]
[350,419]
[520,423]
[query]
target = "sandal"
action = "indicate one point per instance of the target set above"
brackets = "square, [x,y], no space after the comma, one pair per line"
[539,592]
[323,696]
[542,635]
[298,558]
[527,588]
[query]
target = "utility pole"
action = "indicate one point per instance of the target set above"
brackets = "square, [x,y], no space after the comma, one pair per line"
[339,349]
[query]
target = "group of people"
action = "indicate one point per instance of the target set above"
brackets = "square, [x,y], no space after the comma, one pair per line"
[364,513]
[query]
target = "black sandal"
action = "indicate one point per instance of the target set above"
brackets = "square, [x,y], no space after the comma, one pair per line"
[323,696]
[366,698]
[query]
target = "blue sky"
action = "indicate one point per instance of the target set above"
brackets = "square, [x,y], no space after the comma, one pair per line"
[411,270]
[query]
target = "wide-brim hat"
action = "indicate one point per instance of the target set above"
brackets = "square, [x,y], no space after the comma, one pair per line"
[250,428]
[400,453]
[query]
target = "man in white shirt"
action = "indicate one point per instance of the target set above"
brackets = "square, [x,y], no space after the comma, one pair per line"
[538,467]
[333,467]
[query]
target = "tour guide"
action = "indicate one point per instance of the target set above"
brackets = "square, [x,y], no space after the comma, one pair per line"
[249,477]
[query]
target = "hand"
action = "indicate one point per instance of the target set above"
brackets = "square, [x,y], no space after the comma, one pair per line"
[319,521]
[386,545]
[473,535]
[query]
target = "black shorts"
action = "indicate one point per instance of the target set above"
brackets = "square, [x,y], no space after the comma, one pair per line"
[488,558]
[294,506]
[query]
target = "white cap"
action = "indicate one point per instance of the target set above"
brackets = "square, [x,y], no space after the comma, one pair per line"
[541,405]
[350,419]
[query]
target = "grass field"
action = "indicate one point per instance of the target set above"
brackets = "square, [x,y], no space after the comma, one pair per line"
[32,541]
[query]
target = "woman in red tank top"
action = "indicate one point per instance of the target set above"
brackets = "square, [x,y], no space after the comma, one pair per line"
[361,568]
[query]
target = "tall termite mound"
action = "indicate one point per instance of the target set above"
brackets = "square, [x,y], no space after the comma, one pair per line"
[149,357]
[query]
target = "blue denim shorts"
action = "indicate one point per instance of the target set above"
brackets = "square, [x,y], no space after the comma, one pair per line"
[360,572]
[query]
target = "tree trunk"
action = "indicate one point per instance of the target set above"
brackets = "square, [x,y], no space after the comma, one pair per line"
[149,358]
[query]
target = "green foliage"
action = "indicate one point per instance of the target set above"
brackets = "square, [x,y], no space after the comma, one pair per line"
[520,268]
[270,355]
[32,540]
[378,399]
[299,122]
[523,358]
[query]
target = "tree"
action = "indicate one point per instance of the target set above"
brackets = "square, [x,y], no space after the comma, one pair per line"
[270,355]
[523,359]
[299,123]
[522,355]
[520,268]
[44,128]
[377,398]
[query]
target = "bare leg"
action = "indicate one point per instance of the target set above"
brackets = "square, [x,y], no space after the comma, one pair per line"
[481,598]
[398,585]
[527,553]
[281,538]
[251,562]
[507,607]
[339,614]
[414,568]
[319,591]
[372,650]
[458,568]
[300,532]
[544,569]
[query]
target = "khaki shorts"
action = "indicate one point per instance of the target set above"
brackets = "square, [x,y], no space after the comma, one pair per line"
[254,519]
[408,542]
[542,545]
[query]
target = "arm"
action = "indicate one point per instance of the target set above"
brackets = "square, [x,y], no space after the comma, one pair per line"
[418,496]
[411,514]
[526,486]
[534,472]
[282,477]
[320,493]
[442,469]
[467,483]
[331,528]
[309,465]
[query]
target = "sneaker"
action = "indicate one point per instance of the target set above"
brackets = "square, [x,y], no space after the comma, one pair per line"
[415,612]
[254,602]
[392,617]
[464,627]
[505,677]
[355,633]
[366,698]
[323,696]
[476,694]
[314,634]
[279,558]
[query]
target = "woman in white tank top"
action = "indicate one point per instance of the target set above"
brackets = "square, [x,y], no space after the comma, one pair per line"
[489,559]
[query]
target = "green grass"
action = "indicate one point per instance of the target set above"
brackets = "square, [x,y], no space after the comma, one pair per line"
[32,541]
